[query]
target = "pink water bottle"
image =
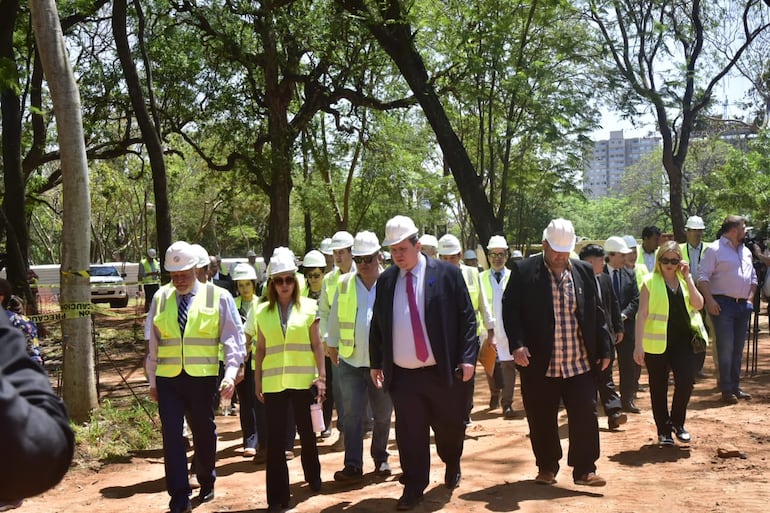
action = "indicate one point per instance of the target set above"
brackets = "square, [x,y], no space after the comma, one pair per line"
[317,416]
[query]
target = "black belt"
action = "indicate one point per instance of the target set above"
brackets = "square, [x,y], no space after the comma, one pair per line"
[730,298]
[417,369]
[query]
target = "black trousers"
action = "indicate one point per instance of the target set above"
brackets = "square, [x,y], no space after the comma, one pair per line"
[679,358]
[423,401]
[608,394]
[628,369]
[276,411]
[541,396]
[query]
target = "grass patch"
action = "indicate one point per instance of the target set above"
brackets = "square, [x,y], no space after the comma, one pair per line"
[115,431]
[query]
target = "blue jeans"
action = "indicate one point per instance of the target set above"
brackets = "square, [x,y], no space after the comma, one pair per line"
[356,385]
[730,328]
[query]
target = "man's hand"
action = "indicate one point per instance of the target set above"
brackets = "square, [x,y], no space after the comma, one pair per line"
[468,370]
[226,388]
[713,307]
[604,362]
[334,356]
[618,338]
[154,394]
[521,356]
[378,378]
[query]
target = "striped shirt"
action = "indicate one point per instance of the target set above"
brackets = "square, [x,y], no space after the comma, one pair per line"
[569,357]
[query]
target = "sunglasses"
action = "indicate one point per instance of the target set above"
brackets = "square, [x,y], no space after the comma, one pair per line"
[671,261]
[496,255]
[364,259]
[283,280]
[314,276]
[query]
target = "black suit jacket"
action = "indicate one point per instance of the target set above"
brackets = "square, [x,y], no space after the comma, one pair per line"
[610,305]
[449,319]
[629,299]
[528,313]
[36,440]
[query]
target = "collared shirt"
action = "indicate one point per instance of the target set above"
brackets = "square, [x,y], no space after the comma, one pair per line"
[694,257]
[364,306]
[649,259]
[404,353]
[569,357]
[231,334]
[728,270]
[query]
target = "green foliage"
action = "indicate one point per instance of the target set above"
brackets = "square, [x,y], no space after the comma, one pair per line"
[116,430]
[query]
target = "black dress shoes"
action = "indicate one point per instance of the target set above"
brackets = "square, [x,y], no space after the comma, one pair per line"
[729,398]
[630,407]
[408,501]
[740,394]
[206,494]
[187,508]
[615,420]
[452,476]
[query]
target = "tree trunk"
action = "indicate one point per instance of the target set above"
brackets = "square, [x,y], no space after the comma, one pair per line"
[150,132]
[395,36]
[14,217]
[79,381]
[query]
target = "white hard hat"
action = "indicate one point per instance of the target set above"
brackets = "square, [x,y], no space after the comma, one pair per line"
[282,261]
[517,254]
[429,240]
[202,255]
[695,223]
[630,241]
[251,253]
[386,255]
[326,246]
[448,245]
[180,256]
[314,258]
[398,229]
[244,271]
[616,245]
[151,253]
[560,235]
[341,240]
[469,254]
[497,242]
[366,243]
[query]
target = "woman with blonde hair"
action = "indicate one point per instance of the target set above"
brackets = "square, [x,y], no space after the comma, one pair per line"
[668,328]
[289,371]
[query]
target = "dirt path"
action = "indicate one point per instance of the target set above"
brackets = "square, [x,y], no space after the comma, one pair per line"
[498,468]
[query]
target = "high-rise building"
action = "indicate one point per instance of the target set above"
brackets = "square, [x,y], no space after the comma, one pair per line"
[610,159]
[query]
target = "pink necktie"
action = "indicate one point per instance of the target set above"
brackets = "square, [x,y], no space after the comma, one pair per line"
[420,346]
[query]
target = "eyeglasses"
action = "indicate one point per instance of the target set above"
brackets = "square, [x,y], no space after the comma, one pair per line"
[283,280]
[364,259]
[314,276]
[497,255]
[670,261]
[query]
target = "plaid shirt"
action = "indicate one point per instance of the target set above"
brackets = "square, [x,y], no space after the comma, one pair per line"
[569,357]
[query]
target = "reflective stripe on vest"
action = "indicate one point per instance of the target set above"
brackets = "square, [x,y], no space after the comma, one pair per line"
[147,279]
[656,325]
[197,351]
[347,308]
[289,360]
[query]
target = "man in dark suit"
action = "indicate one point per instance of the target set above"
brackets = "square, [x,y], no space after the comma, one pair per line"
[627,291]
[608,395]
[559,341]
[423,346]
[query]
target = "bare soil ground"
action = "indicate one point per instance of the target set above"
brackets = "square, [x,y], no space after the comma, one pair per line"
[498,466]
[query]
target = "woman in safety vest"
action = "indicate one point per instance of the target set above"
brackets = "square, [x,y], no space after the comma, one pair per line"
[289,370]
[667,322]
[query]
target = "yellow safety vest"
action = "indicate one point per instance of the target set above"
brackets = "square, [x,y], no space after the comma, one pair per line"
[148,279]
[471,277]
[686,256]
[289,360]
[195,351]
[347,308]
[331,280]
[655,327]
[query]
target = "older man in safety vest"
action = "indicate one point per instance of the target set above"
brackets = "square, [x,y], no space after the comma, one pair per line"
[190,321]
[348,341]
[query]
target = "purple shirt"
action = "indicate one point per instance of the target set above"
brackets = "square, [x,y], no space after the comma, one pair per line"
[728,270]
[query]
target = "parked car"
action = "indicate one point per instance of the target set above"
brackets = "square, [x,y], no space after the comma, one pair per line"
[108,285]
